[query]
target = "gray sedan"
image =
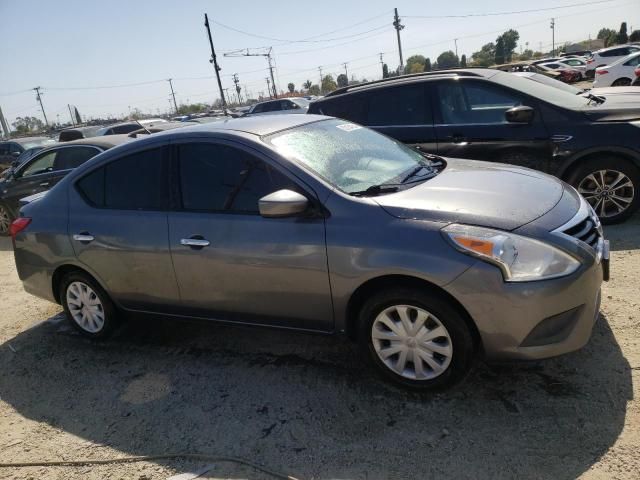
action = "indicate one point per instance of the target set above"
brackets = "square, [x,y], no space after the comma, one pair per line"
[317,224]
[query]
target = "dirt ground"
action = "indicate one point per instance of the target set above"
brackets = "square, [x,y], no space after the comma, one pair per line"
[303,405]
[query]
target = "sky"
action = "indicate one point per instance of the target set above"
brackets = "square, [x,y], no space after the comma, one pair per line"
[108,57]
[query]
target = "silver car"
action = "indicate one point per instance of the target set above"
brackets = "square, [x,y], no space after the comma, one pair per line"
[312,223]
[280,106]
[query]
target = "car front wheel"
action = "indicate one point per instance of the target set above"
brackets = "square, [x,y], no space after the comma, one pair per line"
[415,339]
[87,306]
[610,185]
[5,220]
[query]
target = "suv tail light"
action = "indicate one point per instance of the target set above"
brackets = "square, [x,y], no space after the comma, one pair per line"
[18,225]
[602,72]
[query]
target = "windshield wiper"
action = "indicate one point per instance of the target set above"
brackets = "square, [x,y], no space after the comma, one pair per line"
[376,190]
[595,98]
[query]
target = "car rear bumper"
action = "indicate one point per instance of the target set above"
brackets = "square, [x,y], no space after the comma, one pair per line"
[530,320]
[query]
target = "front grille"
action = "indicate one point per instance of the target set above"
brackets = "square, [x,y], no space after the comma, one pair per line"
[586,230]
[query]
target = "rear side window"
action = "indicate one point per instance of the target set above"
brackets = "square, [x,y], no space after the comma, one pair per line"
[616,52]
[123,129]
[634,62]
[219,178]
[348,107]
[134,182]
[404,105]
[73,157]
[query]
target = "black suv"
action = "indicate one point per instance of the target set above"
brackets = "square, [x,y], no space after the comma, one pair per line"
[590,142]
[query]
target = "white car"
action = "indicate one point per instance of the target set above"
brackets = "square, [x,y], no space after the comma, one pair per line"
[620,73]
[607,56]
[283,105]
[572,63]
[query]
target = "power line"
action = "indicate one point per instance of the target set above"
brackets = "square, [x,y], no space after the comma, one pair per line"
[514,12]
[105,86]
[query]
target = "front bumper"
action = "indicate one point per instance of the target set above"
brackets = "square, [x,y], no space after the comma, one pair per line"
[530,320]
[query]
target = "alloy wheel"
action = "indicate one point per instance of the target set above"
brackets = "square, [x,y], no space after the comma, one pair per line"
[85,307]
[412,342]
[5,221]
[609,192]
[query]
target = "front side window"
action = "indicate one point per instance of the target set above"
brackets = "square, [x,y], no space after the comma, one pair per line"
[346,155]
[41,164]
[72,157]
[473,103]
[134,182]
[404,105]
[634,62]
[15,148]
[219,178]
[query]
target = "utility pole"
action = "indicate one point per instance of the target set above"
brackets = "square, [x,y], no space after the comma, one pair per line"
[73,122]
[382,64]
[455,40]
[553,37]
[398,27]
[214,61]
[346,72]
[173,95]
[269,86]
[273,81]
[238,88]
[320,69]
[269,57]
[39,98]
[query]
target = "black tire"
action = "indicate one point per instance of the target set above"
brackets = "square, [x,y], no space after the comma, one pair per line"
[448,316]
[6,217]
[108,309]
[609,162]
[621,82]
[590,74]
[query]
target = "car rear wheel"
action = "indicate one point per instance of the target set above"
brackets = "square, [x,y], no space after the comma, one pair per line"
[610,185]
[87,306]
[415,339]
[5,220]
[622,82]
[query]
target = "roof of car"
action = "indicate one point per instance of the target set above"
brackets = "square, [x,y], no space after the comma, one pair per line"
[105,142]
[258,125]
[27,139]
[614,47]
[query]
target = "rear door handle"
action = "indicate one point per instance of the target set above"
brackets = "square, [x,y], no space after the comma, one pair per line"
[195,242]
[459,139]
[83,237]
[44,184]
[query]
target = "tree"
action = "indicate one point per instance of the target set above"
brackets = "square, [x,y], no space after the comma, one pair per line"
[415,64]
[635,36]
[526,55]
[314,90]
[307,84]
[291,87]
[342,80]
[499,57]
[28,124]
[463,61]
[385,71]
[328,84]
[448,59]
[509,43]
[609,36]
[427,65]
[485,56]
[622,34]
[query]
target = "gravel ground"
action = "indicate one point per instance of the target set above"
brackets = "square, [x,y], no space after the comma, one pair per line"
[304,405]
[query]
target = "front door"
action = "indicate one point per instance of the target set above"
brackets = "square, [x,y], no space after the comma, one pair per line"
[470,123]
[231,263]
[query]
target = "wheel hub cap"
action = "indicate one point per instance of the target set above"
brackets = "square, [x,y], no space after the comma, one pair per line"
[412,342]
[5,221]
[85,307]
[609,192]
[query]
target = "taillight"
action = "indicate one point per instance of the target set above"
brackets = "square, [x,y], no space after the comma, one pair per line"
[18,225]
[637,71]
[590,60]
[601,72]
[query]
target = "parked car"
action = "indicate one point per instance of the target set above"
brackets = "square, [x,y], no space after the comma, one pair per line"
[632,92]
[23,157]
[606,56]
[269,222]
[10,150]
[122,128]
[45,169]
[77,133]
[540,61]
[620,73]
[283,105]
[565,74]
[636,82]
[577,64]
[491,115]
[578,54]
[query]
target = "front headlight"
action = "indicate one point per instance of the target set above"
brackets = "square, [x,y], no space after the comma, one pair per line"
[521,259]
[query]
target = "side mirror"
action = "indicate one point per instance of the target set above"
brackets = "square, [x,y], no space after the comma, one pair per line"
[15,154]
[283,203]
[520,114]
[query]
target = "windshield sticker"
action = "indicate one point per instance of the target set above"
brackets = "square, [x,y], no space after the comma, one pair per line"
[348,127]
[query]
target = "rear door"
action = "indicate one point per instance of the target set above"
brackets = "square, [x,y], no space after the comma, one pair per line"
[403,112]
[34,176]
[118,229]
[470,123]
[247,268]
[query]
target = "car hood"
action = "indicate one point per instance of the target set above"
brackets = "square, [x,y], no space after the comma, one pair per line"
[617,108]
[478,193]
[615,91]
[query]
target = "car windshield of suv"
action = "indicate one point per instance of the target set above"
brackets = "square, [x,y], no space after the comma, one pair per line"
[351,157]
[544,92]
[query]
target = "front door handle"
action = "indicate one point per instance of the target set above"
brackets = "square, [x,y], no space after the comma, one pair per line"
[459,139]
[83,237]
[44,184]
[195,242]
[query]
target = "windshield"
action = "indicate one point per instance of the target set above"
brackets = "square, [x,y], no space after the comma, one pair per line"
[346,155]
[549,94]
